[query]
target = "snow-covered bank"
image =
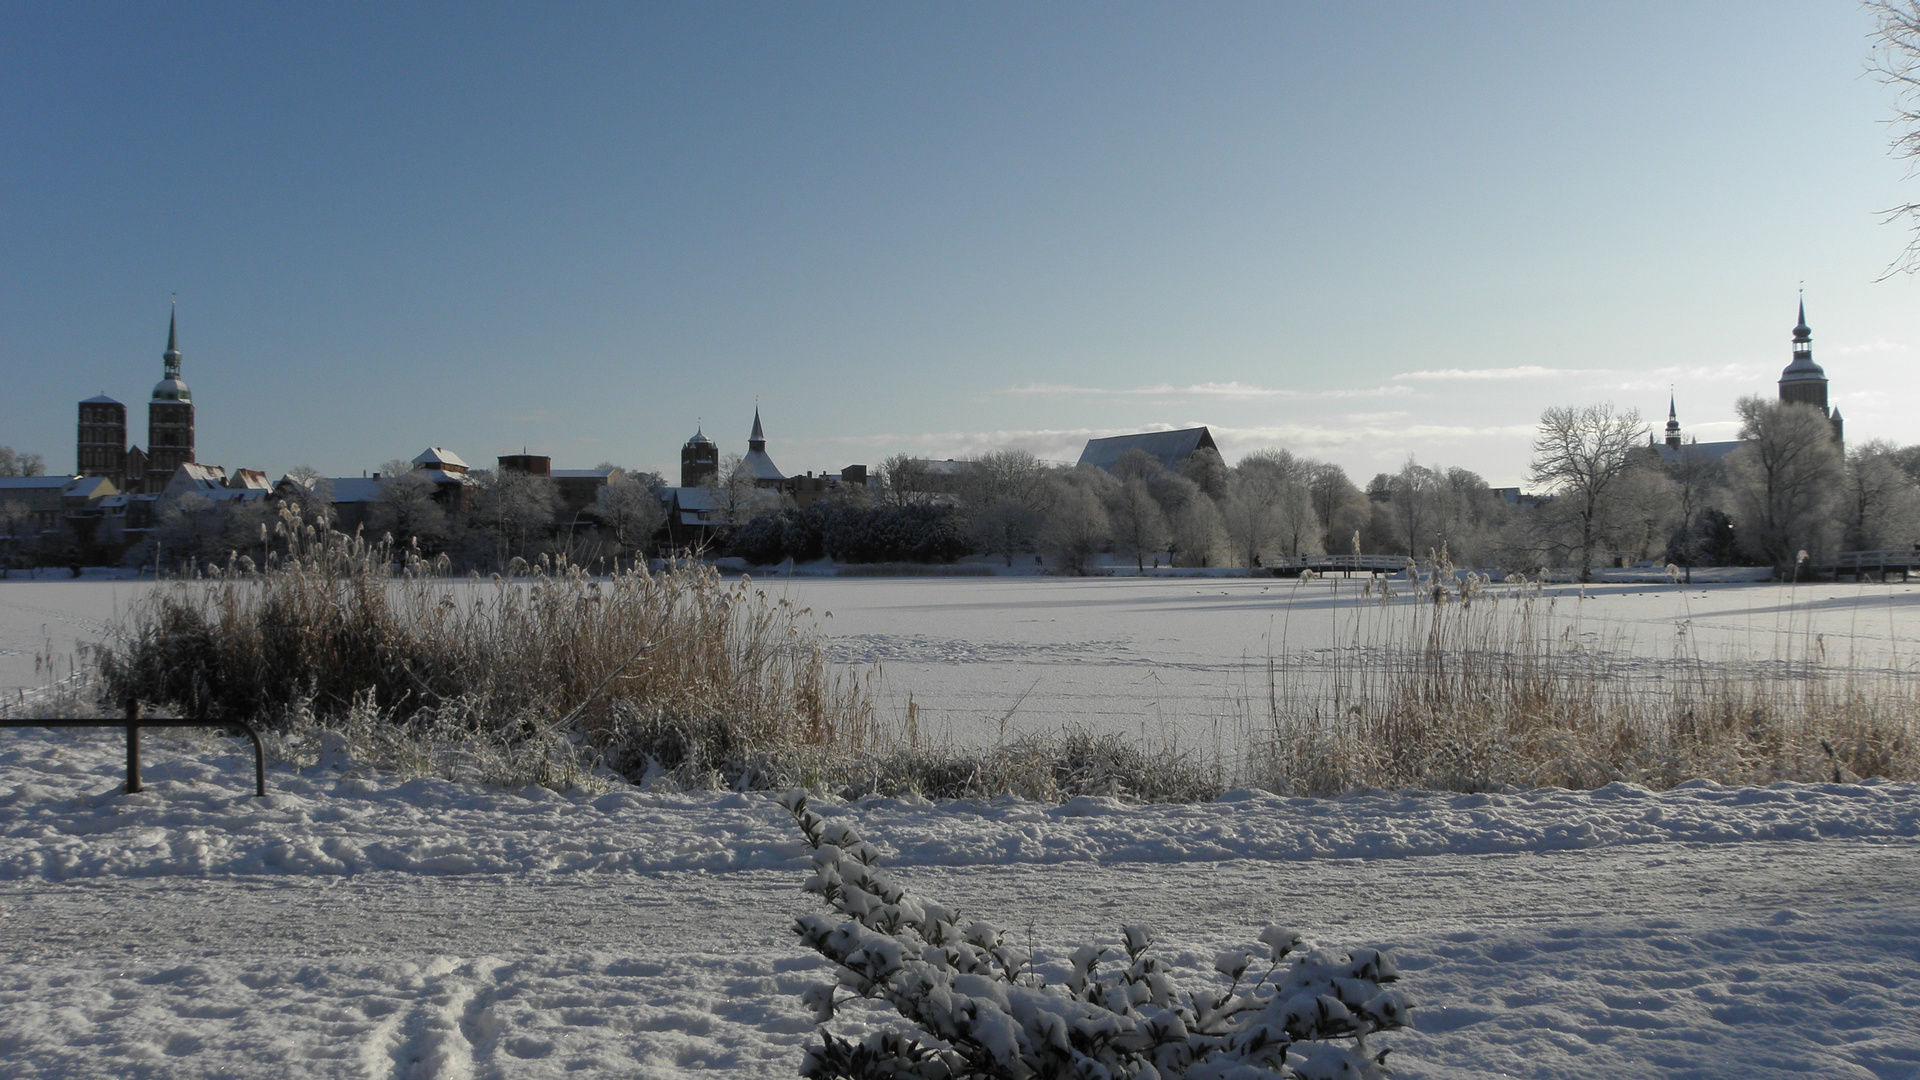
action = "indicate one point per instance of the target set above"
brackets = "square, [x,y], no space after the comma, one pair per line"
[373,926]
[67,818]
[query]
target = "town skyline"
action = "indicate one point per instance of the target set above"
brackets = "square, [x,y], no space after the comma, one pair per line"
[1354,235]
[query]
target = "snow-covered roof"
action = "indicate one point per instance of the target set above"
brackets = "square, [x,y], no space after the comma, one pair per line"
[691,498]
[439,456]
[439,476]
[583,474]
[1700,451]
[761,467]
[249,478]
[35,483]
[193,476]
[87,487]
[1169,448]
[354,489]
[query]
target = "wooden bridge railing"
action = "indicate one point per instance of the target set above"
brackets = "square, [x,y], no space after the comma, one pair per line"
[1858,564]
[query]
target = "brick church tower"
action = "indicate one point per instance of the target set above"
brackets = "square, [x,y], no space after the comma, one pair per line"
[169,418]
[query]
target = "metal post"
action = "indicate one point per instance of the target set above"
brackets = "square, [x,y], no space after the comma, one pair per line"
[133,747]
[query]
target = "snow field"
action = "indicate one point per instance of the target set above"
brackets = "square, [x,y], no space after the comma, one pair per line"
[370,926]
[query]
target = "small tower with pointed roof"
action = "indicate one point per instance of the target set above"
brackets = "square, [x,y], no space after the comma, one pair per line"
[1673,424]
[757,464]
[169,416]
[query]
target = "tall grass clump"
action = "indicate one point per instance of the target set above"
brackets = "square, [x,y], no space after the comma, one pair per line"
[1471,687]
[640,672]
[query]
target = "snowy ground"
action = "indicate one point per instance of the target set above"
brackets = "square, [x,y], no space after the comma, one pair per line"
[362,926]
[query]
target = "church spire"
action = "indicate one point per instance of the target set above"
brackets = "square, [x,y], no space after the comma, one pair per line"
[171,358]
[1673,423]
[758,439]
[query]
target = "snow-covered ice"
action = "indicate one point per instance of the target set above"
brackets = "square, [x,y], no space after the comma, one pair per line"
[357,925]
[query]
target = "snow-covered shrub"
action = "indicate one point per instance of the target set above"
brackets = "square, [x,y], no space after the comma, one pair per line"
[982,1009]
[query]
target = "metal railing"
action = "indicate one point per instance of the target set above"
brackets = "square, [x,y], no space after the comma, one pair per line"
[134,722]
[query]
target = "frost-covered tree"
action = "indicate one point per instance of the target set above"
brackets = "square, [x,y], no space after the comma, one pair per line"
[1579,455]
[982,1008]
[1785,482]
[19,463]
[1881,505]
[737,498]
[1077,527]
[514,511]
[1206,468]
[1696,480]
[1198,533]
[308,494]
[183,531]
[1646,508]
[1136,464]
[407,510]
[1139,525]
[1005,494]
[1268,507]
[905,480]
[1340,507]
[16,532]
[1413,497]
[629,511]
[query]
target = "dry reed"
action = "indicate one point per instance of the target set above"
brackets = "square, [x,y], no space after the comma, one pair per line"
[639,672]
[1475,687]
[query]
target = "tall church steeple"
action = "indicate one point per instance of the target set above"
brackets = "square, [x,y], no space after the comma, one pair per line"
[169,415]
[757,440]
[1673,424]
[171,358]
[1803,382]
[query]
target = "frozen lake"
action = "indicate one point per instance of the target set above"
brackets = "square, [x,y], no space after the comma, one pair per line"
[1164,657]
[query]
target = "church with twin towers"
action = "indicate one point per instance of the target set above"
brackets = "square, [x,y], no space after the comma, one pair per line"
[101,447]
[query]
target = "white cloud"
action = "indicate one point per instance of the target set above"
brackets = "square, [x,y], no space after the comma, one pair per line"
[1525,371]
[1065,444]
[1878,345]
[1218,391]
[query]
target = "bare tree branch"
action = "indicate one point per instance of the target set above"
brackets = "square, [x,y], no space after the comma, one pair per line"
[1896,63]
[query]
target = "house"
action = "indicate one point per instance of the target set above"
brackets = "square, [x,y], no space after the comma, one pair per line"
[58,510]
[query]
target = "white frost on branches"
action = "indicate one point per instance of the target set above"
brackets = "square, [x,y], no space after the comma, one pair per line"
[982,1009]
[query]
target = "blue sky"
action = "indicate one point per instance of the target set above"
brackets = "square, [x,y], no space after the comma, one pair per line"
[1354,231]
